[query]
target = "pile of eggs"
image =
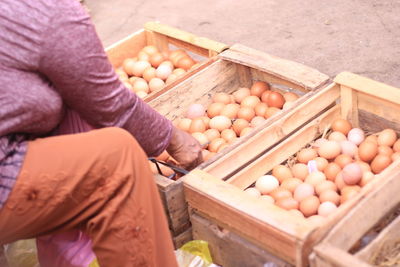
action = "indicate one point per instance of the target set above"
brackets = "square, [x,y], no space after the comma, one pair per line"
[329,172]
[151,70]
[231,116]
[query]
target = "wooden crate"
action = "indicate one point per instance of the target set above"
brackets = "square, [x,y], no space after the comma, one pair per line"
[231,70]
[368,104]
[335,249]
[165,37]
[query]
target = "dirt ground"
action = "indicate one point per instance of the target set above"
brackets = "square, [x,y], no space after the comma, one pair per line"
[361,36]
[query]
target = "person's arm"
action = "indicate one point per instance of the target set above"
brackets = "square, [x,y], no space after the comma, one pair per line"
[74,61]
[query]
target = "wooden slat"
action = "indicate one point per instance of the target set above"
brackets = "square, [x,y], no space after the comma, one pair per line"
[274,129]
[284,150]
[388,235]
[126,48]
[267,225]
[230,249]
[308,78]
[348,102]
[158,40]
[326,255]
[368,86]
[189,38]
[182,238]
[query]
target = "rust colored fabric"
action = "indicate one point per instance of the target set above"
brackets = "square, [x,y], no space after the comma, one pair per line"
[99,182]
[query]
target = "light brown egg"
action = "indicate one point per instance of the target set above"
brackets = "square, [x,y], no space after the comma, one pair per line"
[331,171]
[149,73]
[302,191]
[316,220]
[215,144]
[240,94]
[214,109]
[127,65]
[268,198]
[184,124]
[212,134]
[178,72]
[341,125]
[387,137]
[156,84]
[250,101]
[352,173]
[222,147]
[325,185]
[280,193]
[300,170]
[139,67]
[291,184]
[337,136]
[197,125]
[343,159]
[239,124]
[142,56]
[395,156]
[329,149]
[306,154]
[220,123]
[364,166]
[309,206]
[396,146]
[141,85]
[209,156]
[321,163]
[246,113]
[282,172]
[245,131]
[380,162]
[372,138]
[230,110]
[171,78]
[385,150]
[221,98]
[349,148]
[348,193]
[252,191]
[290,96]
[201,138]
[149,49]
[257,121]
[366,178]
[367,150]
[260,109]
[296,213]
[229,135]
[156,59]
[163,71]
[266,184]
[271,111]
[185,63]
[287,203]
[339,181]
[258,88]
[327,208]
[330,195]
[275,99]
[315,178]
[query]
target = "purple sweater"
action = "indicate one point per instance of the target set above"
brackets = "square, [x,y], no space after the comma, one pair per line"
[51,58]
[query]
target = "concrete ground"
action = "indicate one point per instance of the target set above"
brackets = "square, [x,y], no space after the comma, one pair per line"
[361,36]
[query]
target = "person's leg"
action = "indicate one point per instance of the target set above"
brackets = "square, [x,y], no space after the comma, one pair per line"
[100,182]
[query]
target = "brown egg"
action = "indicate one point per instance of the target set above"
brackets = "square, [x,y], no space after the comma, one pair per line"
[329,149]
[366,178]
[156,59]
[306,154]
[325,185]
[315,178]
[246,113]
[309,206]
[184,124]
[156,84]
[212,134]
[287,203]
[127,65]
[345,190]
[258,88]
[339,181]
[139,67]
[395,156]
[197,125]
[367,150]
[371,138]
[380,162]
[128,85]
[250,101]
[142,56]
[201,138]
[149,49]
[364,166]
[206,121]
[245,131]
[260,109]
[149,73]
[220,123]
[239,124]
[167,63]
[257,121]
[332,170]
[280,193]
[321,163]
[178,72]
[230,110]
[264,96]
[300,170]
[175,55]
[282,172]
[302,191]
[396,146]
[329,195]
[337,136]
[240,94]
[221,98]
[271,111]
[275,99]
[171,78]
[122,75]
[385,150]
[141,85]
[214,109]
[290,96]
[291,184]
[185,63]
[341,125]
[215,144]
[342,160]
[229,135]
[387,137]
[348,194]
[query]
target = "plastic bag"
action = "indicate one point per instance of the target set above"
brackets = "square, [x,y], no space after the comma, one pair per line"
[194,254]
[21,253]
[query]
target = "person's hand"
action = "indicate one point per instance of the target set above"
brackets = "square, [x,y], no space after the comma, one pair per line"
[185,149]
